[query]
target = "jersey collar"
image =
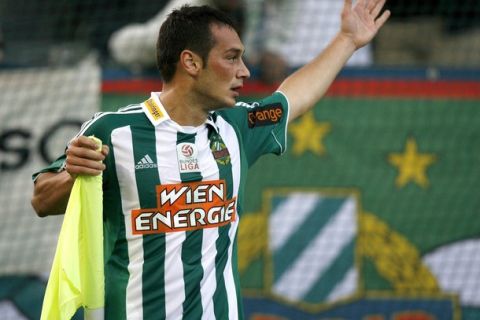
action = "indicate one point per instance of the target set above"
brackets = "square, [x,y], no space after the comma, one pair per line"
[157,114]
[154,109]
[212,121]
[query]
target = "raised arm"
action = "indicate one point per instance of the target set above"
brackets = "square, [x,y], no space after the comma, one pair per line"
[360,23]
[52,189]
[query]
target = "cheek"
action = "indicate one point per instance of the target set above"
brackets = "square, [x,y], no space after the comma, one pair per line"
[222,71]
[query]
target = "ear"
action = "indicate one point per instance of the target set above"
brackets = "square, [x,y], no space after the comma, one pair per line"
[191,62]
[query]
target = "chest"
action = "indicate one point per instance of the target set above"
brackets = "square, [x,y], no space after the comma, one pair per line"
[145,158]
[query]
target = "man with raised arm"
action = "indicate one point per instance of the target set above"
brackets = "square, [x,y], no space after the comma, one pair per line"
[174,166]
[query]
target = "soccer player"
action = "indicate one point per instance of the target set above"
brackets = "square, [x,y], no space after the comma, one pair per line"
[174,166]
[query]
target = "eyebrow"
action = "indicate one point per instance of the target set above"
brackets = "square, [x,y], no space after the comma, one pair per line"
[235,50]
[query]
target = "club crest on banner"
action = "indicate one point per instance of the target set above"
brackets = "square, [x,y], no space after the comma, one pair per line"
[311,240]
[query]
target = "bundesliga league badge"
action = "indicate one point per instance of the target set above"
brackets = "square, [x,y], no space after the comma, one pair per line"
[187,158]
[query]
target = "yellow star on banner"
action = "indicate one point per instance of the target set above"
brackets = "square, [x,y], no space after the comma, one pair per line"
[308,135]
[412,166]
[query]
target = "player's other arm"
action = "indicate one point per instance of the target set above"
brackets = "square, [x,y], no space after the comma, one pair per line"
[52,190]
[360,23]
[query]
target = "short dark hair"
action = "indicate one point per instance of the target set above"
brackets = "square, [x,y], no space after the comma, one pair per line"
[187,28]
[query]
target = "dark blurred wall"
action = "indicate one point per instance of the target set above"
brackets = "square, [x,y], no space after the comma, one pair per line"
[31,27]
[457,15]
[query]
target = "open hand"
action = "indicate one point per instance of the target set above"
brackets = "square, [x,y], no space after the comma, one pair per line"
[362,21]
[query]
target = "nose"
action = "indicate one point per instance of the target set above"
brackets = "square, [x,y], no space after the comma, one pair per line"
[243,72]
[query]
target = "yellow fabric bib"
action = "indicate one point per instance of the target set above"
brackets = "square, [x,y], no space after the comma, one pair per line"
[77,276]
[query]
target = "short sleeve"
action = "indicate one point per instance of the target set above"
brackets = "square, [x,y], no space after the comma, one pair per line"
[261,124]
[55,166]
[90,127]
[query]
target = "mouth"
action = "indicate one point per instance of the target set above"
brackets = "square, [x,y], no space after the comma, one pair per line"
[236,89]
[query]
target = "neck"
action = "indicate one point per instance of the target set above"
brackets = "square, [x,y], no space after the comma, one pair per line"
[182,107]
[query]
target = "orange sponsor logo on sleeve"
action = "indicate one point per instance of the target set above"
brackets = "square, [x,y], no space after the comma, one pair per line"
[266,115]
[186,207]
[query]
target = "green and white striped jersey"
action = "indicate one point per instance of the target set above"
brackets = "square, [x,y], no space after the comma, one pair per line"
[172,204]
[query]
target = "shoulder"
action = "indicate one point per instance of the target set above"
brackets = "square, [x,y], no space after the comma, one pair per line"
[267,110]
[275,98]
[108,121]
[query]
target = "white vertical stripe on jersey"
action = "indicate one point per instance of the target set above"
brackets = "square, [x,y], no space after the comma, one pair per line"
[174,282]
[230,139]
[228,274]
[209,281]
[125,166]
[169,173]
[208,284]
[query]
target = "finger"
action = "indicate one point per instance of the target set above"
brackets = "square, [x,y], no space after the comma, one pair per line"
[83,141]
[105,150]
[370,5]
[347,5]
[74,170]
[382,19]
[76,165]
[87,163]
[84,153]
[377,8]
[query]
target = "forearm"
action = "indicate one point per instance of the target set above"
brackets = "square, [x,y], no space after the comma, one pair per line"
[305,87]
[51,193]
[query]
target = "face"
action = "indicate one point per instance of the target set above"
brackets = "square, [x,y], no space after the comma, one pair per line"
[222,78]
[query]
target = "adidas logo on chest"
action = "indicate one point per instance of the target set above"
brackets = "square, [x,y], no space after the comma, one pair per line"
[145,163]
